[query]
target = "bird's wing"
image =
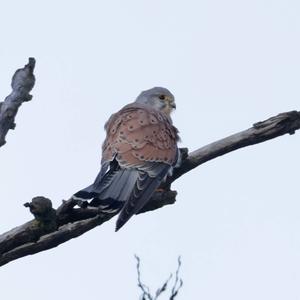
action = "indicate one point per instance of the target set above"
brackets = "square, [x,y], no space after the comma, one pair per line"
[138,134]
[142,191]
[142,139]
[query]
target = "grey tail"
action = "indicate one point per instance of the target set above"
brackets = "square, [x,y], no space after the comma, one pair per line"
[142,191]
[111,188]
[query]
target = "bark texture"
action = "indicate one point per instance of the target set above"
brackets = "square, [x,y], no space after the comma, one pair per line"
[22,83]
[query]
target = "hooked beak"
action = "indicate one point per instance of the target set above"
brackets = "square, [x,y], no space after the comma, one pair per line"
[173,105]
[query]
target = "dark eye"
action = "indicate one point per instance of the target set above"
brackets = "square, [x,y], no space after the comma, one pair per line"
[162,97]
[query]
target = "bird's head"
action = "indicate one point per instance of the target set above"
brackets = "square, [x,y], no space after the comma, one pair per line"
[158,97]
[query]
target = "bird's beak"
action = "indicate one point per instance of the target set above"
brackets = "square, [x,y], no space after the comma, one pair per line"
[173,105]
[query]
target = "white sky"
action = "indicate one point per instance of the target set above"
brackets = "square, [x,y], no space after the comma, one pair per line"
[229,64]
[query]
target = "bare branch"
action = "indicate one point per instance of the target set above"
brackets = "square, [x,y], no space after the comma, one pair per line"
[51,227]
[284,123]
[146,294]
[163,288]
[177,286]
[49,230]
[22,83]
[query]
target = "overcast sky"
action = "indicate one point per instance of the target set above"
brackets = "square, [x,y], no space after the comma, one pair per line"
[229,64]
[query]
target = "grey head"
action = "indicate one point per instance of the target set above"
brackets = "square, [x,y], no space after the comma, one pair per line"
[158,97]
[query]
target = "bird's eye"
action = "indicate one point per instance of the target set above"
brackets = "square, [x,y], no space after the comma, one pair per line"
[162,97]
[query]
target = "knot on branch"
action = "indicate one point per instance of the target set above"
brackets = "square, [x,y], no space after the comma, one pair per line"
[43,212]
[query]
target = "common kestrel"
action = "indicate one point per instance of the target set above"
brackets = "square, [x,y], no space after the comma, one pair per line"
[139,150]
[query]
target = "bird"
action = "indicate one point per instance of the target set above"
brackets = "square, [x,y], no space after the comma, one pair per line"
[138,153]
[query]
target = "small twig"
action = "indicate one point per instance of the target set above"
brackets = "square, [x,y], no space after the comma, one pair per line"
[146,294]
[145,289]
[163,288]
[176,288]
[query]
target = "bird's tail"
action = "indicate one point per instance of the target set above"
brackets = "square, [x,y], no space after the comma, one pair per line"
[125,190]
[109,191]
[142,191]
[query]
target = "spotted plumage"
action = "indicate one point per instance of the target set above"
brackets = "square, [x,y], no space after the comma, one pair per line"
[139,150]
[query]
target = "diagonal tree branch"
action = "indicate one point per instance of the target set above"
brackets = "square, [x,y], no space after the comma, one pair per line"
[51,228]
[22,83]
[284,123]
